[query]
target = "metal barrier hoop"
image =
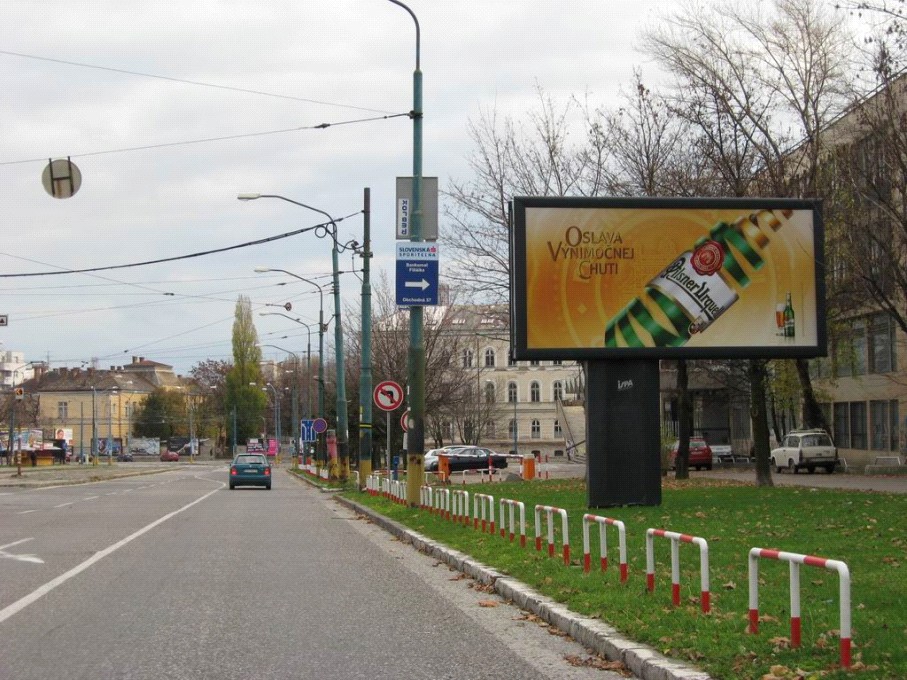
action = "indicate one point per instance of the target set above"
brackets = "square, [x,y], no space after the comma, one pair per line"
[795,560]
[676,540]
[513,504]
[479,503]
[604,522]
[565,530]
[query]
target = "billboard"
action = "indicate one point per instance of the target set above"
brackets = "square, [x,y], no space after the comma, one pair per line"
[666,278]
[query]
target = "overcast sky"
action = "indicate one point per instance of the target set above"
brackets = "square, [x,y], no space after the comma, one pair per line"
[329,61]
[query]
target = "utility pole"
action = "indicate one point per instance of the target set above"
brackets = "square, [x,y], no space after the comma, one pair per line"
[365,378]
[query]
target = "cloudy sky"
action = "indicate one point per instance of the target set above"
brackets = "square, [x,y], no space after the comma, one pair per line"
[263,74]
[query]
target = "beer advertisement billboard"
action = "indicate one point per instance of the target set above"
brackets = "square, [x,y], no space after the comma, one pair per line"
[666,278]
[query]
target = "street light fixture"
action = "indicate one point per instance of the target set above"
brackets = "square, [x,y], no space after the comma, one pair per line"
[342,434]
[295,397]
[308,360]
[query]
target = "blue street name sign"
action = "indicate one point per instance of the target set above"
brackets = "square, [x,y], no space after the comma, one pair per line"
[417,274]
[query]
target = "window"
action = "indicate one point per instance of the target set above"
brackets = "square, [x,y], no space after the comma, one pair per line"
[510,360]
[511,393]
[858,425]
[536,429]
[62,410]
[558,389]
[512,429]
[535,392]
[489,393]
[467,358]
[883,419]
[534,362]
[842,425]
[490,429]
[489,358]
[557,362]
[558,432]
[881,344]
[858,343]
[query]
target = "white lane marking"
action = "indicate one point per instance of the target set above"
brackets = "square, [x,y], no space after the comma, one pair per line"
[21,557]
[63,505]
[35,595]
[112,493]
[26,512]
[90,498]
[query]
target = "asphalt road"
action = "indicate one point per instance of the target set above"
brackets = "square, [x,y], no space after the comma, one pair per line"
[173,576]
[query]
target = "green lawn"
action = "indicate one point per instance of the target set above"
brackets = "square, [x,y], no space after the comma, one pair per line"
[867,531]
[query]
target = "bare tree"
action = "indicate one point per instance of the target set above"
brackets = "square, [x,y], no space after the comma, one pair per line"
[749,106]
[535,158]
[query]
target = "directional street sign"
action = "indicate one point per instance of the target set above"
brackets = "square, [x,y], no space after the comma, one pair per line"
[388,395]
[417,274]
[4,319]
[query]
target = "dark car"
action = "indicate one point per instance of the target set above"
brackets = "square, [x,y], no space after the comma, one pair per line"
[700,454]
[474,458]
[124,457]
[250,469]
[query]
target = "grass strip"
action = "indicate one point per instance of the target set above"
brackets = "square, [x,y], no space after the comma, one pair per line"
[863,529]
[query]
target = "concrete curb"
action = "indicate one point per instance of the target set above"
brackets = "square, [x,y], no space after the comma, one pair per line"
[643,661]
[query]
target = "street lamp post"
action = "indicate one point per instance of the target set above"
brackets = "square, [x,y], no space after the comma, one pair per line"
[295,397]
[342,440]
[308,365]
[415,448]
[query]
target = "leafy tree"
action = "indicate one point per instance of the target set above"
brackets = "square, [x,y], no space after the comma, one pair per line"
[162,415]
[208,393]
[244,396]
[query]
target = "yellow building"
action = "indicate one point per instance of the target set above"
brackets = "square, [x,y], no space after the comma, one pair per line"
[89,400]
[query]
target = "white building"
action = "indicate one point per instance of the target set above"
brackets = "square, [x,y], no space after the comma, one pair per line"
[13,369]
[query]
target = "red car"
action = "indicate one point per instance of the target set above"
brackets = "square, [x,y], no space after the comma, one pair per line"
[700,454]
[170,457]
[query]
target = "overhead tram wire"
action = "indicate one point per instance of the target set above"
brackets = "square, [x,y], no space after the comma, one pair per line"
[205,140]
[185,81]
[247,244]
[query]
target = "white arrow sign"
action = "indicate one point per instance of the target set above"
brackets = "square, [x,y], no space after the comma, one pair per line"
[423,284]
[34,559]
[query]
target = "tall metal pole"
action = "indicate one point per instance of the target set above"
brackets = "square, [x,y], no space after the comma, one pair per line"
[365,377]
[94,426]
[415,449]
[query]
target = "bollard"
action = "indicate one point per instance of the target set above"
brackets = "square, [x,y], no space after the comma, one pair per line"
[604,522]
[676,540]
[513,505]
[460,503]
[794,561]
[549,511]
[479,503]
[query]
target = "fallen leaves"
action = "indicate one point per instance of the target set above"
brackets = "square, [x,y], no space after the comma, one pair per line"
[597,662]
[488,603]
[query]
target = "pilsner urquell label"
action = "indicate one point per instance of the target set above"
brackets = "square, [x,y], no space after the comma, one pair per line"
[688,295]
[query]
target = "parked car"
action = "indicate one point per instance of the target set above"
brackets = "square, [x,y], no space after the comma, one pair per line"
[806,449]
[722,453]
[700,454]
[431,457]
[250,469]
[469,458]
[125,457]
[170,457]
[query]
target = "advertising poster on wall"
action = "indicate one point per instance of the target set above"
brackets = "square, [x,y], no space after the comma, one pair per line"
[696,278]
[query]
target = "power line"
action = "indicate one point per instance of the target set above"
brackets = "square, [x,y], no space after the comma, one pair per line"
[175,258]
[188,82]
[163,145]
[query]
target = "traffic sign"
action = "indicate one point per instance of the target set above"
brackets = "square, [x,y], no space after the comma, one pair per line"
[4,319]
[20,392]
[320,425]
[388,395]
[404,421]
[417,273]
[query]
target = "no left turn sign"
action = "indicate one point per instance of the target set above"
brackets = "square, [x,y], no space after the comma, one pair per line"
[388,395]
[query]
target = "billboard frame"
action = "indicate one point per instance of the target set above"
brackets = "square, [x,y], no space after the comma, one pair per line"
[519,267]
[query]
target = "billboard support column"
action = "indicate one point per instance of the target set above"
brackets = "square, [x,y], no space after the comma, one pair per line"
[623,464]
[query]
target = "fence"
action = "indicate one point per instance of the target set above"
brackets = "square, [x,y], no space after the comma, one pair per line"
[676,540]
[603,523]
[565,529]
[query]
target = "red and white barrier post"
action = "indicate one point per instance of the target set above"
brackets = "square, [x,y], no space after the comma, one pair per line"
[480,502]
[425,497]
[603,523]
[565,530]
[459,499]
[676,540]
[795,560]
[512,504]
[442,502]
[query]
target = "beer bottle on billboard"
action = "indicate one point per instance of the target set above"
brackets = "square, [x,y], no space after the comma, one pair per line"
[790,328]
[702,283]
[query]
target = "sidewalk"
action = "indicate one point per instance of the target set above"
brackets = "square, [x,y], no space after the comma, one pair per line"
[73,473]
